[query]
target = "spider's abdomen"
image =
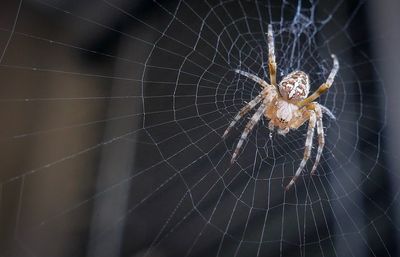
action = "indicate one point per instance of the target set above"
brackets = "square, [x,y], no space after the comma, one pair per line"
[295,86]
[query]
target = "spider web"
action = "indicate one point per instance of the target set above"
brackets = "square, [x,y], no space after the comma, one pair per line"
[114,148]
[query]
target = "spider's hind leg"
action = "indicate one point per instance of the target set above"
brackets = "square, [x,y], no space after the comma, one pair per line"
[242,112]
[307,150]
[253,77]
[327,112]
[249,127]
[321,138]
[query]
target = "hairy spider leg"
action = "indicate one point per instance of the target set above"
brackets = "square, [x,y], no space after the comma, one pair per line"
[271,56]
[327,111]
[242,112]
[249,127]
[325,86]
[307,150]
[260,81]
[321,138]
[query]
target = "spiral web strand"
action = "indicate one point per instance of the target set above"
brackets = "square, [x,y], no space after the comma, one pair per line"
[155,178]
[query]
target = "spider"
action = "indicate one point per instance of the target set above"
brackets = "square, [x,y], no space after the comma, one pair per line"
[287,107]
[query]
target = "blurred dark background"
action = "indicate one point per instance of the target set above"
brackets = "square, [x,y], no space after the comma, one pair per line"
[108,141]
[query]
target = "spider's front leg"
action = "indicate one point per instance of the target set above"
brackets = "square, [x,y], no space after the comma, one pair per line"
[307,150]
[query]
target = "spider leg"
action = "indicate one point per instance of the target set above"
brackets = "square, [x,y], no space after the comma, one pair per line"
[249,127]
[260,81]
[325,86]
[327,111]
[307,150]
[321,138]
[242,112]
[271,56]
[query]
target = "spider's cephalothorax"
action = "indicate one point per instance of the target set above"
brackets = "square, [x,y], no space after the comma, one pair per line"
[295,86]
[287,106]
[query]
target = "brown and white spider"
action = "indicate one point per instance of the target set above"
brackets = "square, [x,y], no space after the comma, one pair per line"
[287,106]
